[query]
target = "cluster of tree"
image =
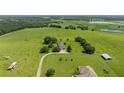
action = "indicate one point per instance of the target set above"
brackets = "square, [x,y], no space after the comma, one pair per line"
[49,41]
[10,24]
[83,27]
[87,47]
[55,26]
[50,72]
[44,49]
[70,27]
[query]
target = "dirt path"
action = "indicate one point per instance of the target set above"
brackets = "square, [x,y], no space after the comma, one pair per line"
[41,61]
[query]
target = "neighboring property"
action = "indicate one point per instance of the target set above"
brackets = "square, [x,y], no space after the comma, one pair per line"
[61,46]
[86,71]
[12,66]
[106,57]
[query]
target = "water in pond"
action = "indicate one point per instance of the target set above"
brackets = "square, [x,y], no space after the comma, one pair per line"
[108,30]
[95,22]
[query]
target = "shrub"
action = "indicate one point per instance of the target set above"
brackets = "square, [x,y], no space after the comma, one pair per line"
[50,72]
[78,39]
[55,49]
[60,59]
[44,49]
[50,45]
[69,49]
[48,40]
[89,49]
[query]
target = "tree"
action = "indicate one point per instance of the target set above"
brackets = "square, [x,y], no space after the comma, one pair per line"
[50,45]
[50,72]
[89,49]
[53,40]
[69,48]
[47,40]
[55,49]
[44,49]
[83,42]
[78,39]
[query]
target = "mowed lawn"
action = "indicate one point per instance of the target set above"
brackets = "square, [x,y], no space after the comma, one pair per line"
[111,43]
[23,46]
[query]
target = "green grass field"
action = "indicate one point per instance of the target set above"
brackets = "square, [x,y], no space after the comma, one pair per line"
[23,46]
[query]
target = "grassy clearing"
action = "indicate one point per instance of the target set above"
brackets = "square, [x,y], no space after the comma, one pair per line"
[23,46]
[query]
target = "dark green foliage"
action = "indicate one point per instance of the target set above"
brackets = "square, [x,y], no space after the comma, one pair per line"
[67,39]
[69,49]
[83,27]
[71,59]
[79,39]
[50,45]
[48,40]
[50,72]
[60,59]
[13,23]
[70,27]
[55,49]
[55,26]
[92,29]
[89,49]
[66,27]
[53,40]
[44,49]
[82,42]
[76,72]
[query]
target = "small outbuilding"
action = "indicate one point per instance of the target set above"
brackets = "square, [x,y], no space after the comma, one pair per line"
[106,57]
[12,66]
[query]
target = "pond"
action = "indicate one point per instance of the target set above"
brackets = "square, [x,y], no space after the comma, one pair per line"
[98,22]
[110,30]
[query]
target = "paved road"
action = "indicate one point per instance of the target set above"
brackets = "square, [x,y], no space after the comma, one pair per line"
[41,61]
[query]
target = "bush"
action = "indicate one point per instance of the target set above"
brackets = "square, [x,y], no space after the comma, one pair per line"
[44,49]
[53,40]
[76,72]
[78,39]
[48,40]
[82,42]
[50,72]
[69,49]
[50,45]
[89,49]
[55,49]
[60,59]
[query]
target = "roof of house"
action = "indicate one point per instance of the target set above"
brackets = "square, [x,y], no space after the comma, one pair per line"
[106,56]
[61,45]
[86,71]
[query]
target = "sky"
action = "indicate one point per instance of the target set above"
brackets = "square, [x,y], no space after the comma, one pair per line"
[61,7]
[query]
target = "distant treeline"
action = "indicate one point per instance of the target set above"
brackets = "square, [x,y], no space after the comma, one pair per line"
[10,24]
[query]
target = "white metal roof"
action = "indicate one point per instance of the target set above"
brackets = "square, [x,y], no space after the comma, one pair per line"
[106,56]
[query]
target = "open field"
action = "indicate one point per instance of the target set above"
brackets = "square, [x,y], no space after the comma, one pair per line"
[23,46]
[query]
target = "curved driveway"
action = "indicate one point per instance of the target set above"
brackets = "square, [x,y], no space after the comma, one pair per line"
[41,61]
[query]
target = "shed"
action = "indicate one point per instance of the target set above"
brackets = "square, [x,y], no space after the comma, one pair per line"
[106,57]
[12,66]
